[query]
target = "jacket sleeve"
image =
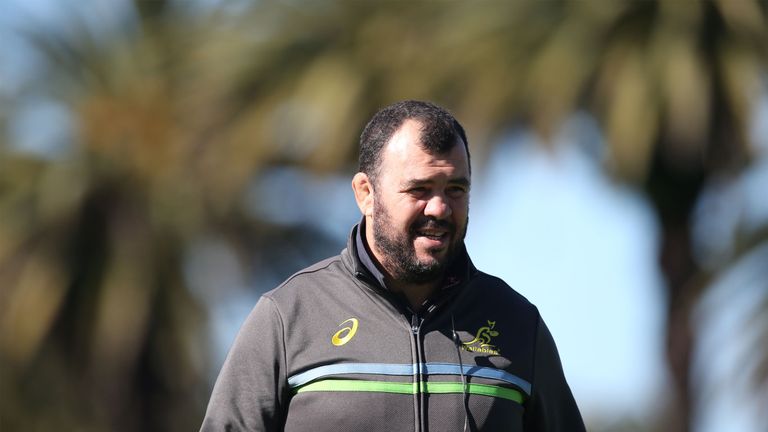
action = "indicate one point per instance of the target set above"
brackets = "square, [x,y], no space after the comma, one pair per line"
[551,406]
[251,391]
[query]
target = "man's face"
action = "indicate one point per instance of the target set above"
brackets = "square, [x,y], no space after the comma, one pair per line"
[420,208]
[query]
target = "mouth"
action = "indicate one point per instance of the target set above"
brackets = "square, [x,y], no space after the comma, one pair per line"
[435,235]
[433,239]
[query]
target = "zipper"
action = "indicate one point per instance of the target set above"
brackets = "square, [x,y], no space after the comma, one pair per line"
[418,400]
[417,355]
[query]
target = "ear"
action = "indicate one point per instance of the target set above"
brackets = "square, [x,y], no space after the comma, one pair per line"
[363,188]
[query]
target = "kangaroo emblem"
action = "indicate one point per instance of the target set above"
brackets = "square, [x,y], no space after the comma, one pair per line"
[484,335]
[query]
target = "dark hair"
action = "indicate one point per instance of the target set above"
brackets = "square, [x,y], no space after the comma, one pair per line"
[439,131]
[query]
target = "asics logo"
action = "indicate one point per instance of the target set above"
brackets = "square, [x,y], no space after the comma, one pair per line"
[345,334]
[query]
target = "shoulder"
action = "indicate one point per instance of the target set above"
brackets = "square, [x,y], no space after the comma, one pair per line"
[326,265]
[491,298]
[327,274]
[493,287]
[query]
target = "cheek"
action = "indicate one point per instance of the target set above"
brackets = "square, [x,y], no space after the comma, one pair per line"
[461,208]
[408,219]
[401,214]
[406,212]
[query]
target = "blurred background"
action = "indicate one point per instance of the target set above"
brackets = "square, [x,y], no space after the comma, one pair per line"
[164,163]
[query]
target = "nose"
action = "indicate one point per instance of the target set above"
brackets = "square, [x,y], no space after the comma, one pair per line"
[438,207]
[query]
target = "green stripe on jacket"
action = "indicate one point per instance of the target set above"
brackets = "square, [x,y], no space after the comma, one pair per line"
[339,385]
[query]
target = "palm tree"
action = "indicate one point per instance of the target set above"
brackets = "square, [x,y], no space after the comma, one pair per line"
[99,327]
[179,108]
[673,87]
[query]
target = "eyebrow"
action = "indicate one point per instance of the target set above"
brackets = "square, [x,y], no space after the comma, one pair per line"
[462,181]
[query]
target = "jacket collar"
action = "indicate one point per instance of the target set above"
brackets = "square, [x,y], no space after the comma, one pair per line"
[363,254]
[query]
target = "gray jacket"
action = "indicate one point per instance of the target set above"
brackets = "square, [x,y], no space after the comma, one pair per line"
[332,350]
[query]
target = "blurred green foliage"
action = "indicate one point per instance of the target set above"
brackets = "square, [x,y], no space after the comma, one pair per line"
[178,108]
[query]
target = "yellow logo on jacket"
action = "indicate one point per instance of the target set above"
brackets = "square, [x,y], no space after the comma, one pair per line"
[345,334]
[482,341]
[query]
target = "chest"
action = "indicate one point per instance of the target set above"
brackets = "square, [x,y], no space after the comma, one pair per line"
[374,370]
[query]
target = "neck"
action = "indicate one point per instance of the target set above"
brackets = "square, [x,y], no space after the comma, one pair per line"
[416,294]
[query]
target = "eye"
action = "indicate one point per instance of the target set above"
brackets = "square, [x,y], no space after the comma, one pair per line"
[456,191]
[418,191]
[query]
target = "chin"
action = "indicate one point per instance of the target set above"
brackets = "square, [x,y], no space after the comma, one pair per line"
[432,259]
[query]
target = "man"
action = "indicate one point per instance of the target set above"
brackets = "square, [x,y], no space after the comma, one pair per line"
[400,331]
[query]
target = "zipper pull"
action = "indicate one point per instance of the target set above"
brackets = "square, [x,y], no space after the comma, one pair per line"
[415,323]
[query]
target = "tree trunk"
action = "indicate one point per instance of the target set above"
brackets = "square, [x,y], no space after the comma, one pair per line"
[674,193]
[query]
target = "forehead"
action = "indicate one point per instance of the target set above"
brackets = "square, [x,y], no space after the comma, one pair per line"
[403,157]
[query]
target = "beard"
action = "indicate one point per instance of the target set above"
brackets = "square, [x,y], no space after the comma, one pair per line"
[400,253]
